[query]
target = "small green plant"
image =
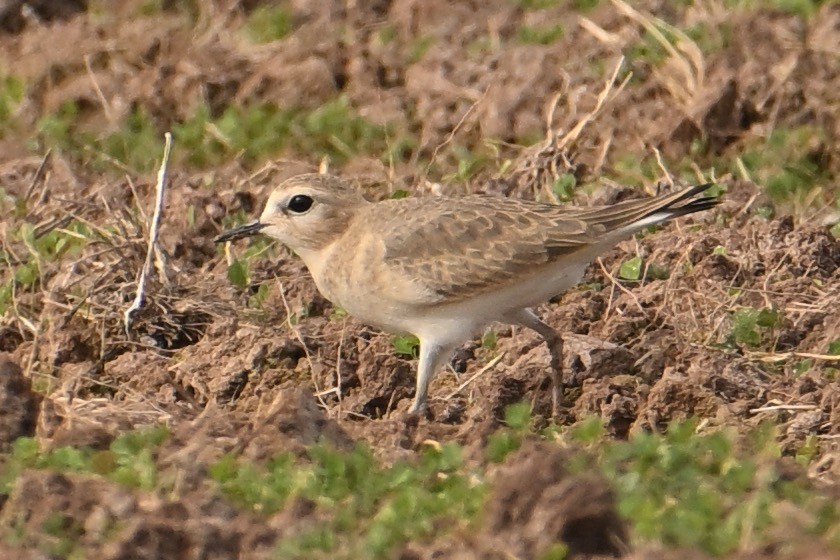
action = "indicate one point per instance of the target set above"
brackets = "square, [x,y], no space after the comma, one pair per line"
[338,313]
[419,47]
[367,511]
[468,163]
[489,340]
[58,128]
[250,132]
[630,169]
[693,490]
[137,144]
[802,8]
[537,4]
[406,345]
[238,273]
[65,532]
[631,269]
[386,34]
[268,23]
[190,8]
[503,442]
[539,35]
[749,325]
[563,187]
[129,460]
[12,91]
[44,250]
[788,163]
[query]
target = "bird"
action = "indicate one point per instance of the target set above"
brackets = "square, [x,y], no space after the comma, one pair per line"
[443,268]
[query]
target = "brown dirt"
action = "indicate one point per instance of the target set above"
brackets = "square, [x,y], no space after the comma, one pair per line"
[227,377]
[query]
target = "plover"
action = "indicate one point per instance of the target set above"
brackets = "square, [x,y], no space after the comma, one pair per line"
[444,268]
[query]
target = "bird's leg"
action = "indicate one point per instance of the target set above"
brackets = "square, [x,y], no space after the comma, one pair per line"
[432,358]
[527,318]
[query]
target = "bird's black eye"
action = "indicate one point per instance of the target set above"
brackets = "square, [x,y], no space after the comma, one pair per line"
[300,203]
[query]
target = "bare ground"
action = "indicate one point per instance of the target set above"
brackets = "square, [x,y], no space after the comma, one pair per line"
[227,374]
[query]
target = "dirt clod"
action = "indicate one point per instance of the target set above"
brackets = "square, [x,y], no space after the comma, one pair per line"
[18,402]
[536,503]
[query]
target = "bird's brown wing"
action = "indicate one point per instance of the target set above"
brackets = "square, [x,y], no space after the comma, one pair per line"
[455,248]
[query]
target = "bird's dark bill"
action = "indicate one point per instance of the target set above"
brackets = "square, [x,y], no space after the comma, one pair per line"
[239,233]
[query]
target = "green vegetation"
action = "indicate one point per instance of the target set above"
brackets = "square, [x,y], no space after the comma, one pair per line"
[419,47]
[42,249]
[367,510]
[268,23]
[130,459]
[250,133]
[788,163]
[688,487]
[467,162]
[753,327]
[631,269]
[191,8]
[12,90]
[803,8]
[564,187]
[701,490]
[542,35]
[406,345]
[507,440]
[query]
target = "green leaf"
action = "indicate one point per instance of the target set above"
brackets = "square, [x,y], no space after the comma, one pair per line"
[564,186]
[768,318]
[238,273]
[631,269]
[518,416]
[338,313]
[501,444]
[588,430]
[489,340]
[744,323]
[27,274]
[834,347]
[406,345]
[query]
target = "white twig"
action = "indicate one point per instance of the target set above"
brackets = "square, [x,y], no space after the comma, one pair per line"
[771,408]
[106,107]
[319,394]
[780,357]
[160,188]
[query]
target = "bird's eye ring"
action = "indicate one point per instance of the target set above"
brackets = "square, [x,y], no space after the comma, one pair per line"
[300,203]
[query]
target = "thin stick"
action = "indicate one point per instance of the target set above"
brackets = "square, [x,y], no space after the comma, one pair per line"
[599,104]
[106,107]
[318,392]
[338,362]
[39,174]
[455,130]
[618,285]
[160,188]
[780,357]
[772,408]
[490,365]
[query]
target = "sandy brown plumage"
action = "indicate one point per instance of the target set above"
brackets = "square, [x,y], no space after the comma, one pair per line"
[462,247]
[443,268]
